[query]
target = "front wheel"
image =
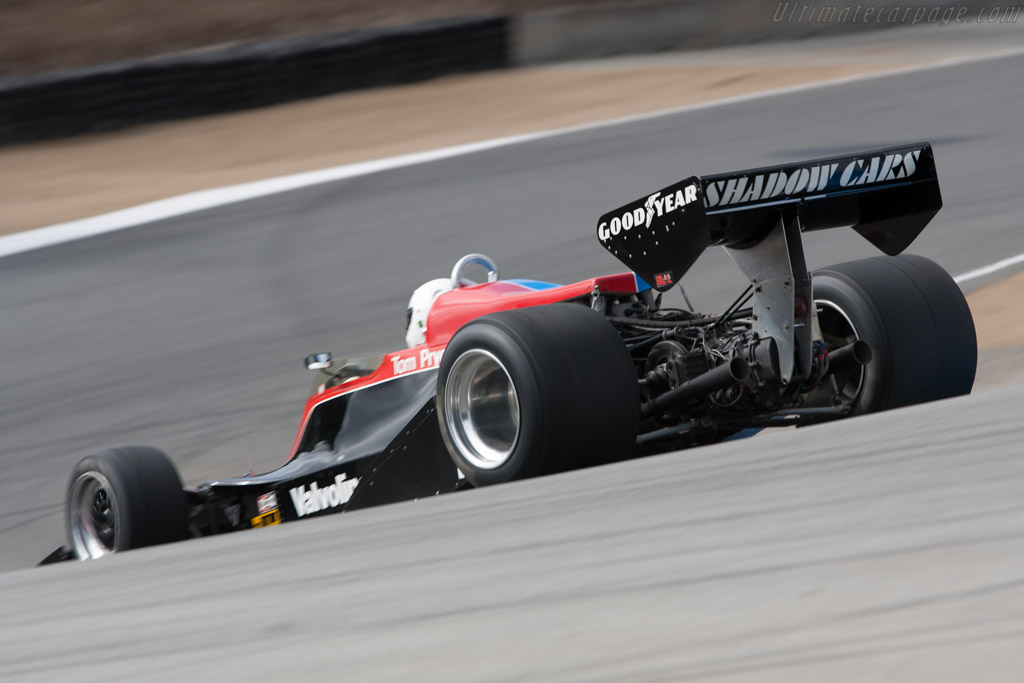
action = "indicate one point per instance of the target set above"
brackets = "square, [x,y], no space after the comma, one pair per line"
[536,390]
[124,498]
[916,320]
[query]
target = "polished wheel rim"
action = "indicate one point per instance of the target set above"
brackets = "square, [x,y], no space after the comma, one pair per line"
[481,409]
[837,330]
[92,510]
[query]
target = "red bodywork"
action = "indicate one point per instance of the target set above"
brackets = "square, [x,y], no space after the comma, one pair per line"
[454,309]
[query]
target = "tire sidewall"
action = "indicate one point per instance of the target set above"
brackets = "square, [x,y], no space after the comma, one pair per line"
[122,521]
[523,461]
[848,297]
[150,502]
[575,381]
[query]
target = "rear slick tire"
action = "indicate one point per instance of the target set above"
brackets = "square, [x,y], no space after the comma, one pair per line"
[537,390]
[915,318]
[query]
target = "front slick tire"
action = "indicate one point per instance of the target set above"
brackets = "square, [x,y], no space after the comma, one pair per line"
[537,390]
[124,498]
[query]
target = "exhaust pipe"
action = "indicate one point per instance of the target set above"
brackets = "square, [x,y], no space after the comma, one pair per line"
[848,357]
[725,375]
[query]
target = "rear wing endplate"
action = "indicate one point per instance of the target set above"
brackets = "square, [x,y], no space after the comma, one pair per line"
[886,195]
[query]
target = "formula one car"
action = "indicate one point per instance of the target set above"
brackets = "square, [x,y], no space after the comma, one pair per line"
[511,379]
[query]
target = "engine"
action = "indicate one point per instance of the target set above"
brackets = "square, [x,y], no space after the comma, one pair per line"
[707,373]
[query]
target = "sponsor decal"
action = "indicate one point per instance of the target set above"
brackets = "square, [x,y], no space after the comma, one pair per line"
[271,518]
[760,187]
[655,205]
[266,503]
[424,360]
[662,279]
[316,499]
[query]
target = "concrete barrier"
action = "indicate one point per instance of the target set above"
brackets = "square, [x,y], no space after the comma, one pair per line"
[199,83]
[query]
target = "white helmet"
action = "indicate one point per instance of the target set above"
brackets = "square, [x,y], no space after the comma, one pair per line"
[419,307]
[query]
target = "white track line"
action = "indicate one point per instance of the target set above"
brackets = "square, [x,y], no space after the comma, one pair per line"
[989,269]
[209,199]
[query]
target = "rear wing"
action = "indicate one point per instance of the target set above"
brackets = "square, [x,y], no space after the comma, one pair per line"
[886,195]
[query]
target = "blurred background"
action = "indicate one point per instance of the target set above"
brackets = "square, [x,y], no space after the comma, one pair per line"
[101,31]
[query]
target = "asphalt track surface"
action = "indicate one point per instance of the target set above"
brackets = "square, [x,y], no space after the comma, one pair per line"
[188,335]
[882,549]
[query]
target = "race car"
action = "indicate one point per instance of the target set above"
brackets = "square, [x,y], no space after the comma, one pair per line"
[510,379]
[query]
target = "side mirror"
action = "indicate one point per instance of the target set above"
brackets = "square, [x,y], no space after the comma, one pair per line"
[318,361]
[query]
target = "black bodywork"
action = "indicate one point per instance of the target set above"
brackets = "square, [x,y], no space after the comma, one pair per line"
[376,445]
